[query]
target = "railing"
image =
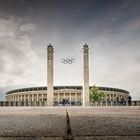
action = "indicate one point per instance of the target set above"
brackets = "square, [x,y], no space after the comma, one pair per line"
[12,103]
[115,103]
[44,103]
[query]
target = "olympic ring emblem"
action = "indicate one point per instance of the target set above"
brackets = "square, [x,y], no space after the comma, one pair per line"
[67,60]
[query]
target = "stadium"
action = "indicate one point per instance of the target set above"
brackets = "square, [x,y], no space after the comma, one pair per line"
[72,95]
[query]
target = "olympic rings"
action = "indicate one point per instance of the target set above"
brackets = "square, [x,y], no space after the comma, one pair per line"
[67,60]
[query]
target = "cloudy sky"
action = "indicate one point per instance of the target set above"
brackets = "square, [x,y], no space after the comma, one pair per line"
[110,27]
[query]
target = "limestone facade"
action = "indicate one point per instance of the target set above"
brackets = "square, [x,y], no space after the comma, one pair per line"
[73,94]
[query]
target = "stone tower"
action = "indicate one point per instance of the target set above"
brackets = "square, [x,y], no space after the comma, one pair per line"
[50,75]
[85,75]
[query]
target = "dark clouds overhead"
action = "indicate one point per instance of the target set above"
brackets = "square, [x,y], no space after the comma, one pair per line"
[68,17]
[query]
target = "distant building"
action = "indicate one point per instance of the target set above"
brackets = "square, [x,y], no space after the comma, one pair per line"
[71,94]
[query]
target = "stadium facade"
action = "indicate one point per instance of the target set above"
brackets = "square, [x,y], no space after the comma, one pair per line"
[73,95]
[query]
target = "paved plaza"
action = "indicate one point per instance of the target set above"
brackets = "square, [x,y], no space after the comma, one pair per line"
[98,123]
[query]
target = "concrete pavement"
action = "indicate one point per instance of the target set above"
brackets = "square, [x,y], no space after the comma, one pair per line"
[41,123]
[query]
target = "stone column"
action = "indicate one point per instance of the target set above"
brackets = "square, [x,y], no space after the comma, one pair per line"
[24,97]
[110,96]
[58,97]
[32,97]
[64,95]
[42,97]
[28,97]
[37,97]
[76,97]
[113,97]
[85,75]
[21,98]
[18,98]
[70,98]
[50,75]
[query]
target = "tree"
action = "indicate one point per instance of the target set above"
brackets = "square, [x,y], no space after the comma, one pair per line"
[96,95]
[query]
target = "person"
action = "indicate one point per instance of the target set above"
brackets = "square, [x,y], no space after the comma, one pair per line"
[63,102]
[122,101]
[129,100]
[117,100]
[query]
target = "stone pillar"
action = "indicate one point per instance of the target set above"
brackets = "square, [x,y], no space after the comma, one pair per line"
[32,98]
[21,98]
[58,97]
[37,97]
[28,97]
[24,97]
[110,96]
[42,97]
[76,97]
[50,75]
[64,95]
[85,75]
[18,98]
[70,98]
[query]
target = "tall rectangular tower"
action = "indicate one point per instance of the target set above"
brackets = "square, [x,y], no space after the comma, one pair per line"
[50,75]
[85,75]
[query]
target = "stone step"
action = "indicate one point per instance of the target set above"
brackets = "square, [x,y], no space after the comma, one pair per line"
[41,123]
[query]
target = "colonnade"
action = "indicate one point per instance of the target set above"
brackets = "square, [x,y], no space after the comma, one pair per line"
[27,97]
[113,96]
[58,97]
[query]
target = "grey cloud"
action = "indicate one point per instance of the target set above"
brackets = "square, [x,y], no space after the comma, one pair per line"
[2,65]
[16,53]
[27,27]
